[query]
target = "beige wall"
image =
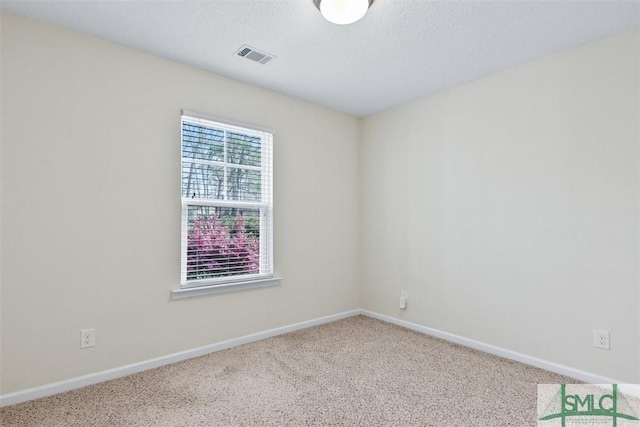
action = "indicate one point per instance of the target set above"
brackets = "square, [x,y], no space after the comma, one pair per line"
[91,209]
[508,209]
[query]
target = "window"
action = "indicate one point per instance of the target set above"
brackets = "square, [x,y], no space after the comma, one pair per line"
[227,211]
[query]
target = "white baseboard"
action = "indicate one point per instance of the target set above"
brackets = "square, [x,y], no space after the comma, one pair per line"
[633,389]
[98,377]
[75,383]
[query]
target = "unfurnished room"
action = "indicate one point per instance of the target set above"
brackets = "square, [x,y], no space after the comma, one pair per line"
[319,213]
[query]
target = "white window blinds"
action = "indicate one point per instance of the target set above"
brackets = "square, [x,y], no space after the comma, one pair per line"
[227,196]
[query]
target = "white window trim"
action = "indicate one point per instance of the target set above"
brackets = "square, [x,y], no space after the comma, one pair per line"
[265,277]
[199,291]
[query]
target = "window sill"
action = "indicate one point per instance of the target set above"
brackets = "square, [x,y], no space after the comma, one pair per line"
[219,289]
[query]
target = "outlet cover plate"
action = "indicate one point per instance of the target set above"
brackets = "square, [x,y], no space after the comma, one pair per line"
[601,339]
[87,338]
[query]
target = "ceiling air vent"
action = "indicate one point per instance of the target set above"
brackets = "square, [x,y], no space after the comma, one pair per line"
[254,54]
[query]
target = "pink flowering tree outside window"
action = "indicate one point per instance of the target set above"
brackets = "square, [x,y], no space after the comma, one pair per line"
[221,247]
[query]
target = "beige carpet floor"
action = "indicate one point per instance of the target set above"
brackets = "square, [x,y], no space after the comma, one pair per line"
[353,372]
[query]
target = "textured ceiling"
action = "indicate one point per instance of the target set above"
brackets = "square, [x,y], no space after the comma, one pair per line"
[400,51]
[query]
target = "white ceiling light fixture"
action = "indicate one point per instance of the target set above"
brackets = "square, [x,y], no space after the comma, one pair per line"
[343,12]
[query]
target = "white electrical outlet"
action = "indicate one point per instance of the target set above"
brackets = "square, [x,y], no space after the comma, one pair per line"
[87,338]
[601,339]
[403,299]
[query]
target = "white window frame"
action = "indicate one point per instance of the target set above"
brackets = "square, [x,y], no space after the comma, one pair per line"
[190,288]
